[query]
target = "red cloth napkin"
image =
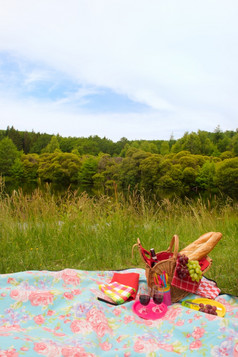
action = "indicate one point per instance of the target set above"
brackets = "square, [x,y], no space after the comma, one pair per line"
[204,263]
[129,279]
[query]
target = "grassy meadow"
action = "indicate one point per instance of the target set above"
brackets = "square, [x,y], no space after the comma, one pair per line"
[42,231]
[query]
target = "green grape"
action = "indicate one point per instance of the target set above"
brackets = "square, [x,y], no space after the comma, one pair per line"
[194,270]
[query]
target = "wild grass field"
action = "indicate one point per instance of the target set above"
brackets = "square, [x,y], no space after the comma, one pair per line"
[42,231]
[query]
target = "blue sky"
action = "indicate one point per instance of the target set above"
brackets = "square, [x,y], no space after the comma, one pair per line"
[122,68]
[32,80]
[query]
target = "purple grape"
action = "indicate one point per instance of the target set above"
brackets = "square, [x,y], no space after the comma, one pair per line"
[208,309]
[181,260]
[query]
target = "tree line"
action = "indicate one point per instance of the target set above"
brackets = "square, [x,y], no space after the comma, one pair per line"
[200,143]
[197,163]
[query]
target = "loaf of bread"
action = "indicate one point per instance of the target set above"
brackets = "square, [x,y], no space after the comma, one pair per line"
[201,247]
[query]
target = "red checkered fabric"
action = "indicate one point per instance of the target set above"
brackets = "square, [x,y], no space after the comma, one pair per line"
[185,284]
[208,289]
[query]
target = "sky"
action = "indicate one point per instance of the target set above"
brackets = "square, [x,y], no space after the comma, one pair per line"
[140,69]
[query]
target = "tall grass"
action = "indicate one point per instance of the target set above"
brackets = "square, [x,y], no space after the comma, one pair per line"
[41,231]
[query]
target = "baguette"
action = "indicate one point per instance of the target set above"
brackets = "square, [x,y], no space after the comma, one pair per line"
[197,243]
[202,246]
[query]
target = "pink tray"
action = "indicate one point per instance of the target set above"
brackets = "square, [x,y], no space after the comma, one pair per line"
[154,311]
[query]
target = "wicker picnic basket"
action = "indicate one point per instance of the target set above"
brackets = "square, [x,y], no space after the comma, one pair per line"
[167,262]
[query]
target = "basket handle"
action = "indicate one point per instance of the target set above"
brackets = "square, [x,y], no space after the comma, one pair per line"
[174,243]
[143,252]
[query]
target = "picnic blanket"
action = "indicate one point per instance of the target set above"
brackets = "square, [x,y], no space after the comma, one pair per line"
[47,313]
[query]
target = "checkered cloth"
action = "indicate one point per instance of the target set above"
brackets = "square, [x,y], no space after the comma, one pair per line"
[119,293]
[185,284]
[208,289]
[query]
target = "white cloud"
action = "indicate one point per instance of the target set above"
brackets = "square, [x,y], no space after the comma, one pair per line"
[78,97]
[34,115]
[36,76]
[178,57]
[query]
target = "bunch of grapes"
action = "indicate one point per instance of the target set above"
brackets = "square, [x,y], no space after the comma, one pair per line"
[181,267]
[194,269]
[208,309]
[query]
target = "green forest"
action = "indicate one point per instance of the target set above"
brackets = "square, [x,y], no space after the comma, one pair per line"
[199,163]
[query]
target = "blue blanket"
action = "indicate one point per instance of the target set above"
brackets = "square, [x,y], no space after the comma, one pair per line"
[45,313]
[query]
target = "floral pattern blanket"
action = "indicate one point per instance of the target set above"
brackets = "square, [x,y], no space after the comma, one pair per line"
[46,313]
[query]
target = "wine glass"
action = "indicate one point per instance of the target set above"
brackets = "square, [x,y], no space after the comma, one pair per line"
[157,295]
[144,297]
